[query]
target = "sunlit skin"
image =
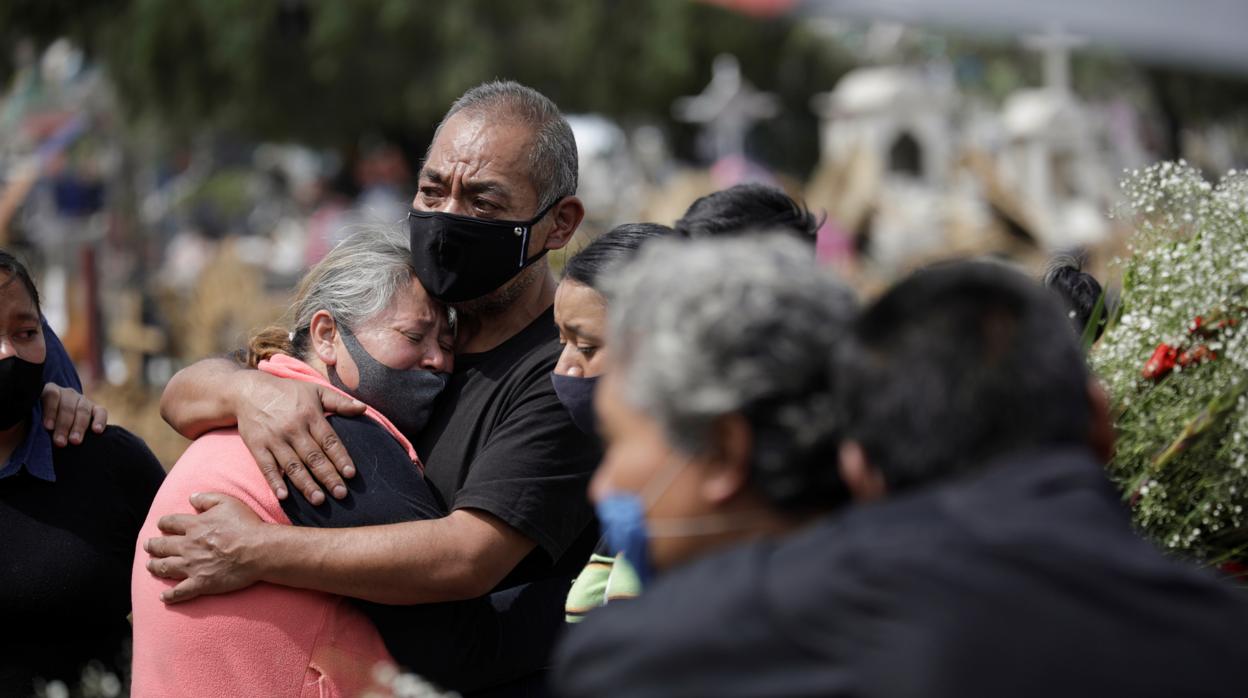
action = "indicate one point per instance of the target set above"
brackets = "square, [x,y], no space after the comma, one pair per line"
[412,333]
[21,335]
[581,316]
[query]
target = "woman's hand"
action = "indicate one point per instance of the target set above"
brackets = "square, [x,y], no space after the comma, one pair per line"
[68,414]
[212,552]
[283,424]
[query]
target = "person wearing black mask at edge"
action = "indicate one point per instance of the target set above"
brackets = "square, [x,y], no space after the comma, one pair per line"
[745,208]
[495,193]
[986,553]
[581,315]
[69,516]
[63,410]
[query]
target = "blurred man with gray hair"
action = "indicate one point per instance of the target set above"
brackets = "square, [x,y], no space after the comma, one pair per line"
[720,413]
[986,553]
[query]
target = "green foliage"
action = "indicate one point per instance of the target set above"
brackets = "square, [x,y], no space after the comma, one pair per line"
[326,71]
[1182,455]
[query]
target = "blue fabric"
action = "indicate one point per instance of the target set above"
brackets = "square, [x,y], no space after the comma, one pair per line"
[35,451]
[57,368]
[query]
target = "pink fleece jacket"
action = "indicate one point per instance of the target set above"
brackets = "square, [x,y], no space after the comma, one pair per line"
[266,640]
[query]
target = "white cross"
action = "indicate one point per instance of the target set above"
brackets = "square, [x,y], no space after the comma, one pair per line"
[1055,46]
[727,107]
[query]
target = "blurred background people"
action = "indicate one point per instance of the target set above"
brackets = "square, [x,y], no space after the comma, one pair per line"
[717,405]
[986,553]
[70,517]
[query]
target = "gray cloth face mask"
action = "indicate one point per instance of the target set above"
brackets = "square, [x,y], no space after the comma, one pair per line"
[405,397]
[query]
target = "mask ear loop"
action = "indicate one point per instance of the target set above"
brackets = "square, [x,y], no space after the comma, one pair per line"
[526,231]
[708,524]
[658,485]
[524,243]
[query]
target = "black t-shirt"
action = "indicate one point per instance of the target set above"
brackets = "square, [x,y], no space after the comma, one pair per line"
[68,547]
[462,645]
[1026,580]
[387,487]
[500,441]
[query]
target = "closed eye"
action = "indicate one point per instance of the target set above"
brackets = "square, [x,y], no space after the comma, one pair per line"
[430,192]
[485,205]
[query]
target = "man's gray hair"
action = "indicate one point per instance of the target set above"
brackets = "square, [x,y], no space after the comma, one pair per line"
[705,328]
[552,155]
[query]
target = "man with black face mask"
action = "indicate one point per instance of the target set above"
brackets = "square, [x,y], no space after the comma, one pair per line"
[496,192]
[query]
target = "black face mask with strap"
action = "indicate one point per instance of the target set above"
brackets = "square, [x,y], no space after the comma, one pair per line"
[21,382]
[460,258]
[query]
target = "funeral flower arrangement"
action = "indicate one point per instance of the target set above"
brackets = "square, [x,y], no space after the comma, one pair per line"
[1175,362]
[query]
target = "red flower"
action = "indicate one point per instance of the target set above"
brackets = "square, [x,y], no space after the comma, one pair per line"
[1163,361]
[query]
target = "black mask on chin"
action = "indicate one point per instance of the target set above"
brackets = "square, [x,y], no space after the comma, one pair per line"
[21,382]
[458,258]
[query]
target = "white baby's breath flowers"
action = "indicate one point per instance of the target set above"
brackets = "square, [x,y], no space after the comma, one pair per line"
[1180,455]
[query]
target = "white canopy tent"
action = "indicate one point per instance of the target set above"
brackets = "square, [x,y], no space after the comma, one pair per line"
[1205,34]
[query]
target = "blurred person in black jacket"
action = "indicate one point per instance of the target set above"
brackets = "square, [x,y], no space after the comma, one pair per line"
[986,553]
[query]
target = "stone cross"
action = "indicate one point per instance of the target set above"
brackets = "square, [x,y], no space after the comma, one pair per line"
[727,108]
[1054,46]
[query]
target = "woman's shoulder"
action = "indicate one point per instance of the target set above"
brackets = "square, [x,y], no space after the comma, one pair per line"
[387,486]
[366,435]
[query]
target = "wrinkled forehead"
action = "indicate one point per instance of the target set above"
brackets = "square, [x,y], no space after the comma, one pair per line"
[475,148]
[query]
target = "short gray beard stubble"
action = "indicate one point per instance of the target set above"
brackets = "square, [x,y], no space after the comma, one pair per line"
[499,301]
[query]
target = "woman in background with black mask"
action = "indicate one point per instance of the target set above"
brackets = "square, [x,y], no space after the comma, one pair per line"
[69,516]
[581,315]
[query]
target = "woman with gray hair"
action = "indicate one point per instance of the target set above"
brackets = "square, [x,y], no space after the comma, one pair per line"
[361,325]
[718,406]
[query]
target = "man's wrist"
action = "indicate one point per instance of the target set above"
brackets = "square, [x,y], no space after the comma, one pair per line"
[284,555]
[257,550]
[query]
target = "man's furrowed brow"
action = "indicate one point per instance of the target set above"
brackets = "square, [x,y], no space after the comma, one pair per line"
[489,187]
[431,175]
